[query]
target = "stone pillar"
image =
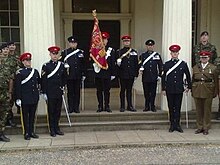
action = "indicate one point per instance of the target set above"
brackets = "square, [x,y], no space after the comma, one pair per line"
[39,34]
[177,29]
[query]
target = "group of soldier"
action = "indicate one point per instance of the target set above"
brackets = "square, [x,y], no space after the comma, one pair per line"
[25,83]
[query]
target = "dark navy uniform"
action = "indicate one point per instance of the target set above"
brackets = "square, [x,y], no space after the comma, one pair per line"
[174,86]
[75,66]
[103,81]
[127,71]
[27,83]
[28,93]
[151,70]
[53,88]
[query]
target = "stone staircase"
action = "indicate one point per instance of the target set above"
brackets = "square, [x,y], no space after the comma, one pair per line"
[92,121]
[89,120]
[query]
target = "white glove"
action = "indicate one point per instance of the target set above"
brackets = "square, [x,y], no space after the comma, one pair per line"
[112,77]
[18,102]
[158,78]
[119,62]
[45,97]
[83,78]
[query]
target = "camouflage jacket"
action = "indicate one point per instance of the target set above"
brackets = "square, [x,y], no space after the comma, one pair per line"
[5,74]
[13,63]
[200,47]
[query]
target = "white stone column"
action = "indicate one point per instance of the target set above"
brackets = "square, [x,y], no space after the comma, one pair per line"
[177,29]
[39,33]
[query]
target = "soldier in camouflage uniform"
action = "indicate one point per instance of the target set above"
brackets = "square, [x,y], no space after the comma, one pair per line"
[5,91]
[14,66]
[204,45]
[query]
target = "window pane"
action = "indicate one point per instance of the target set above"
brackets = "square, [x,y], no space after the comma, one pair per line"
[102,6]
[4,5]
[14,17]
[4,19]
[15,34]
[14,4]
[4,34]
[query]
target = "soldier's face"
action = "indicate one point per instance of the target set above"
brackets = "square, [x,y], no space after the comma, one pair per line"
[73,45]
[204,38]
[54,56]
[204,60]
[105,41]
[150,47]
[12,47]
[27,63]
[174,54]
[5,51]
[126,43]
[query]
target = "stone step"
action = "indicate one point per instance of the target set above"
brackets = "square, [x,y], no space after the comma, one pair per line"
[115,116]
[112,121]
[111,126]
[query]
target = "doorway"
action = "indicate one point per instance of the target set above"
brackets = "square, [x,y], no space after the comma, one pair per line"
[82,30]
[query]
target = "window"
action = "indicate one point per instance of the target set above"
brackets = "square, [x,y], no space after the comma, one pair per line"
[102,6]
[9,22]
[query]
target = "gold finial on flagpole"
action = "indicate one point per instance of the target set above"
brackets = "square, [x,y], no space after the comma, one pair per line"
[94,13]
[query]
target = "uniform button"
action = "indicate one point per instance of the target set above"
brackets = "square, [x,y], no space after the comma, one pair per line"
[174,81]
[174,76]
[174,71]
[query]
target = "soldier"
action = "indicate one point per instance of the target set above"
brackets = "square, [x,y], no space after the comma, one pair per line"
[204,89]
[14,65]
[173,86]
[151,68]
[53,81]
[103,77]
[5,90]
[73,59]
[204,45]
[127,62]
[27,83]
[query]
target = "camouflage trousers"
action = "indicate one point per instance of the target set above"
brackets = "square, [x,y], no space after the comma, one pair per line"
[4,108]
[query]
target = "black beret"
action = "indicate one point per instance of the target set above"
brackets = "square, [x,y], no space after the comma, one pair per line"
[204,33]
[10,42]
[3,46]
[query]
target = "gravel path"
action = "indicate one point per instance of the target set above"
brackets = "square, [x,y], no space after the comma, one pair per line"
[151,154]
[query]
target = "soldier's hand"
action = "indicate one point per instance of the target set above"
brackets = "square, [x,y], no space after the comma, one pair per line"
[112,77]
[18,102]
[45,97]
[83,78]
[186,90]
[164,93]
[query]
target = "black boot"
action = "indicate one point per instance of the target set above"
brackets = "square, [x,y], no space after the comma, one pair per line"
[3,137]
[11,123]
[107,108]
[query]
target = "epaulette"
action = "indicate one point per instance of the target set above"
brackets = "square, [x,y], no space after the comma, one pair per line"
[18,71]
[59,58]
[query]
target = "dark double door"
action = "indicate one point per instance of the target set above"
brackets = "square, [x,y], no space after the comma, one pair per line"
[82,30]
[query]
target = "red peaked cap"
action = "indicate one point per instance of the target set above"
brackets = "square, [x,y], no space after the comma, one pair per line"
[126,37]
[105,35]
[53,49]
[174,48]
[205,54]
[25,56]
